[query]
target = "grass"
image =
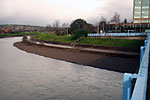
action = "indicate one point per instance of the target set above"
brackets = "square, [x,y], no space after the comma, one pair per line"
[54,37]
[19,34]
[93,41]
[113,42]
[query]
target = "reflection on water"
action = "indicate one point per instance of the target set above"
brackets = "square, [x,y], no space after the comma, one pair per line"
[25,76]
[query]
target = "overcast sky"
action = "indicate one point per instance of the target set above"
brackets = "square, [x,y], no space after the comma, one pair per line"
[43,12]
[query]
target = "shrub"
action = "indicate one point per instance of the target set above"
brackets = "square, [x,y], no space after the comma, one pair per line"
[24,39]
[79,33]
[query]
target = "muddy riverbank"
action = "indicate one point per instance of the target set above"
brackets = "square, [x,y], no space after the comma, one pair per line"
[102,61]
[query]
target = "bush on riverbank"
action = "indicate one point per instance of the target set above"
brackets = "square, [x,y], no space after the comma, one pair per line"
[79,33]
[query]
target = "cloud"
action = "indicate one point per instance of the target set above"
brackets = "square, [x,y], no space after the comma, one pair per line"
[43,12]
[25,12]
[124,8]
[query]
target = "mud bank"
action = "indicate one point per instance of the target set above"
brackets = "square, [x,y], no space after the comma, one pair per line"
[113,63]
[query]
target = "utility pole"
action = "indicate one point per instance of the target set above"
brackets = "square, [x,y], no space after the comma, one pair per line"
[67,31]
[98,27]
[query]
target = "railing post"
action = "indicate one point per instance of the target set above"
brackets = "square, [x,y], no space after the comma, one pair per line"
[145,42]
[127,85]
[142,53]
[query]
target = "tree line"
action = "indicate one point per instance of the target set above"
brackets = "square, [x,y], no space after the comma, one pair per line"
[80,24]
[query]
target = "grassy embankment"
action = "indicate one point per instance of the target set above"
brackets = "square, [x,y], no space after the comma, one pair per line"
[113,42]
[18,34]
[54,37]
[93,41]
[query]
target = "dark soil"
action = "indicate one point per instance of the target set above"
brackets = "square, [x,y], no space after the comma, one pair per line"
[97,60]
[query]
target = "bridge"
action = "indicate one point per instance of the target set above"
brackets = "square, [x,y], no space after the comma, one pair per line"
[139,90]
[135,91]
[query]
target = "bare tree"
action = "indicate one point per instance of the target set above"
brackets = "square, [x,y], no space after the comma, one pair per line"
[65,27]
[56,23]
[49,28]
[102,19]
[56,26]
[116,18]
[101,25]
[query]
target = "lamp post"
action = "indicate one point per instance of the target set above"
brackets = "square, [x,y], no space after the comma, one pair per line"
[98,27]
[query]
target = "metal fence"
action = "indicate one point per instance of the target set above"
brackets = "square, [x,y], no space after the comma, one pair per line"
[116,34]
[139,90]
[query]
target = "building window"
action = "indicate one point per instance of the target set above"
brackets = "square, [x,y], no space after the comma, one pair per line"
[136,21]
[137,16]
[145,7]
[137,2]
[144,16]
[145,13]
[145,2]
[144,21]
[137,7]
[137,12]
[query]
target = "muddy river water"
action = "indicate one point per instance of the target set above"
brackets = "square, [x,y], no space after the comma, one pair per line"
[26,76]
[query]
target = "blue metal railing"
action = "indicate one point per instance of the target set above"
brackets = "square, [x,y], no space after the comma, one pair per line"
[139,90]
[116,34]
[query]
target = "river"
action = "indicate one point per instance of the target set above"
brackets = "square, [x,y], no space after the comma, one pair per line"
[26,76]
